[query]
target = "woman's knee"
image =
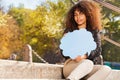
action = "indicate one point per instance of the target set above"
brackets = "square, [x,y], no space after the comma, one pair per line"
[89,63]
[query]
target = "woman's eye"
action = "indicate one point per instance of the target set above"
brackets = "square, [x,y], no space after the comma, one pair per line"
[75,14]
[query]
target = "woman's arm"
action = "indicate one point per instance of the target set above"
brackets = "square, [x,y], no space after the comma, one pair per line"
[97,51]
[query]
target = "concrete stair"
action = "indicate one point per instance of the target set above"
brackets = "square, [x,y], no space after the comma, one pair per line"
[114,75]
[24,70]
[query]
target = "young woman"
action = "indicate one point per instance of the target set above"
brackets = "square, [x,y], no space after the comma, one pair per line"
[85,14]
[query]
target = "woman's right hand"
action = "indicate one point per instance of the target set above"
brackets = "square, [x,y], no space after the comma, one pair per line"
[79,58]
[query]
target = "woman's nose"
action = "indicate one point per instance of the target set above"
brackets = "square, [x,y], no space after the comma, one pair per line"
[78,16]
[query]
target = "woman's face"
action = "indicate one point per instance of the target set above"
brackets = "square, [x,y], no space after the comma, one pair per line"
[79,18]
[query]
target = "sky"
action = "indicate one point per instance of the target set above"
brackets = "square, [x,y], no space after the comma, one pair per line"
[30,4]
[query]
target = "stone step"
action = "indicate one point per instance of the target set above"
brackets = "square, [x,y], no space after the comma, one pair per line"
[114,75]
[24,70]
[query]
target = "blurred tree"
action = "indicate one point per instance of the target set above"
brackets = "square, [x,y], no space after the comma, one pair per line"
[9,36]
[111,24]
[42,28]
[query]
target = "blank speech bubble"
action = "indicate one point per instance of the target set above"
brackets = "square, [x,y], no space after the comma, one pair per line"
[78,42]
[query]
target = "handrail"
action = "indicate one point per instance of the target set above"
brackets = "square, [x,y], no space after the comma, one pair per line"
[111,41]
[108,5]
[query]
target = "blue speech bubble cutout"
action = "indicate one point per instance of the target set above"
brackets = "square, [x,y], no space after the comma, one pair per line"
[78,42]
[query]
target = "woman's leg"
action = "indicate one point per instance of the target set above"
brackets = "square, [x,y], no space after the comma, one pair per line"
[77,70]
[95,69]
[69,66]
[100,72]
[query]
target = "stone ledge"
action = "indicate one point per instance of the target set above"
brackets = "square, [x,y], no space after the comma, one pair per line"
[24,70]
[114,75]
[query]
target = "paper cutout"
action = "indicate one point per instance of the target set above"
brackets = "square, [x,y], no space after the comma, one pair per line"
[78,42]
